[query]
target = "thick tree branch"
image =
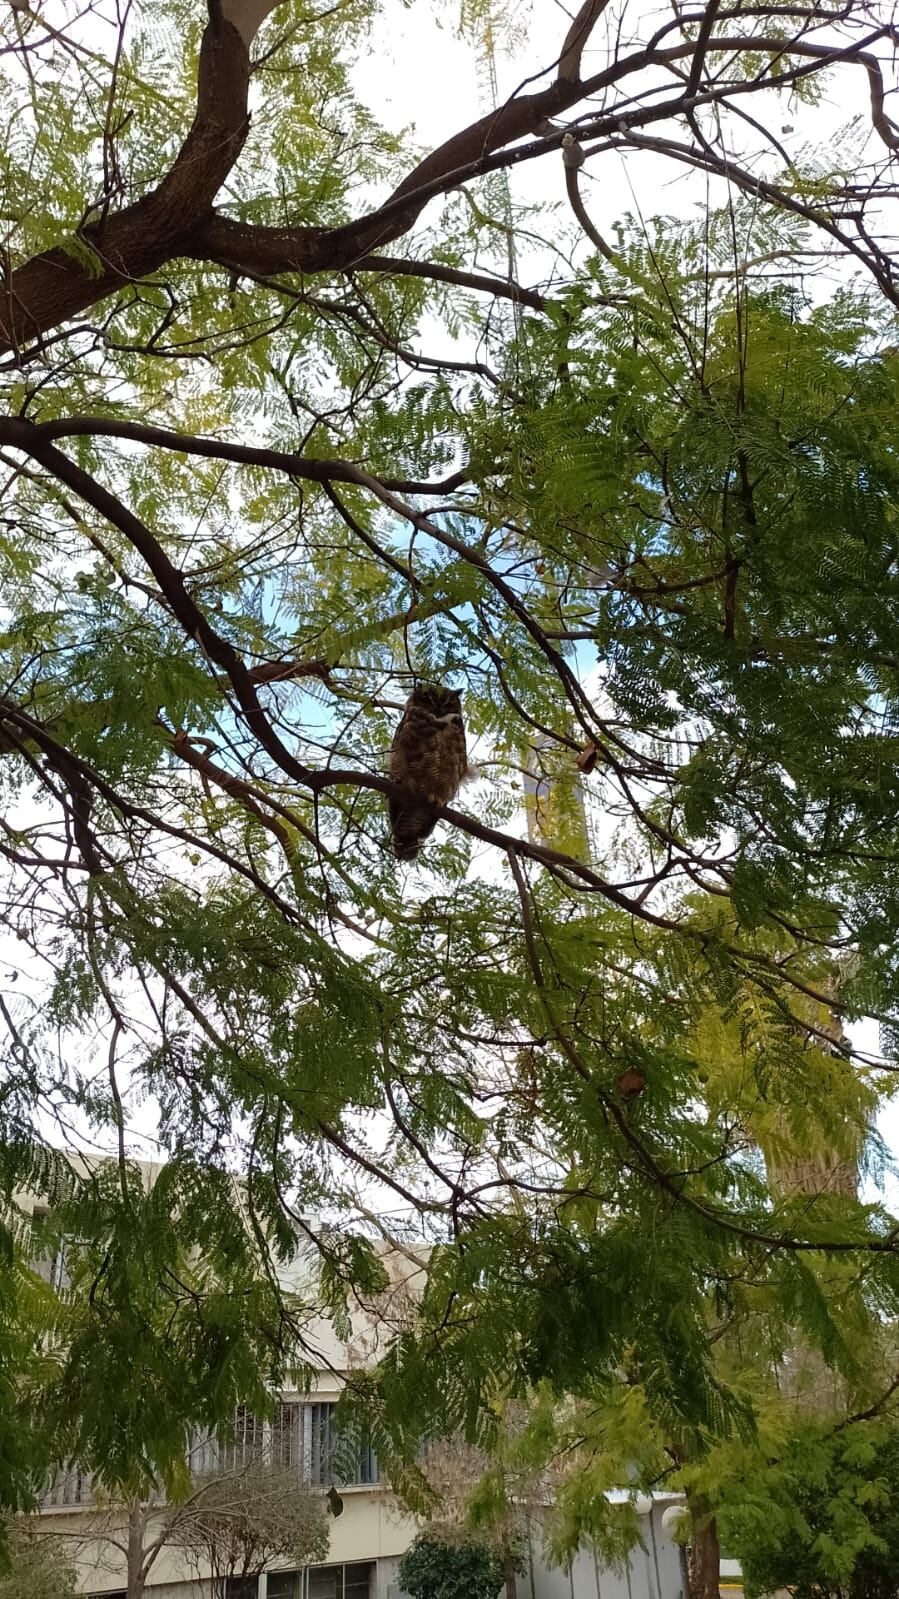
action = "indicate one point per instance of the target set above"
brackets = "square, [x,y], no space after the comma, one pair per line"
[89,780]
[25,436]
[176,219]
[193,620]
[705,33]
[483,148]
[309,468]
[136,241]
[573,158]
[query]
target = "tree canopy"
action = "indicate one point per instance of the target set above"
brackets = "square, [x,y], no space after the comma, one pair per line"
[820,1514]
[38,1568]
[240,1525]
[631,487]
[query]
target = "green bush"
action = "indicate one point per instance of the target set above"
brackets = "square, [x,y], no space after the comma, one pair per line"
[442,1567]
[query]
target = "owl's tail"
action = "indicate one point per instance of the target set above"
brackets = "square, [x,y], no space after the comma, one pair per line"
[410,825]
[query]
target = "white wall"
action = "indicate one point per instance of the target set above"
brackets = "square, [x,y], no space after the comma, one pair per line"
[655,1571]
[370,1528]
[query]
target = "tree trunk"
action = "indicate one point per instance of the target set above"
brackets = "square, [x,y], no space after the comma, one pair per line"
[137,1526]
[509,1574]
[705,1551]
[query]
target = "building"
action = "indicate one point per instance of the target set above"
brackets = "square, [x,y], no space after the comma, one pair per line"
[366,1539]
[371,1532]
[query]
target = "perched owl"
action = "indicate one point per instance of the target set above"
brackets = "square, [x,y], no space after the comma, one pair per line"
[429,759]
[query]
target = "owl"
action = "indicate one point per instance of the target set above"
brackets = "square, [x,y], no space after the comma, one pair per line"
[428,758]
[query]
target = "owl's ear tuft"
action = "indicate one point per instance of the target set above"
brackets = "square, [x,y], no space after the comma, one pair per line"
[438,696]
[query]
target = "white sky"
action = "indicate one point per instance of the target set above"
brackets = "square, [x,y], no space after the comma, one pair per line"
[403,83]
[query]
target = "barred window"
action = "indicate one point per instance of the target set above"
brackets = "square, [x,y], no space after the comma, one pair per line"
[302,1437]
[287,1436]
[67,1488]
[320,1437]
[357,1580]
[332,1457]
[48,1262]
[247,1443]
[367,1470]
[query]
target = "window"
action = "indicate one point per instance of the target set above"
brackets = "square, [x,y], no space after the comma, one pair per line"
[284,1584]
[340,1582]
[319,1438]
[67,1487]
[246,1444]
[326,1582]
[242,1588]
[357,1581]
[287,1436]
[332,1458]
[367,1470]
[301,1437]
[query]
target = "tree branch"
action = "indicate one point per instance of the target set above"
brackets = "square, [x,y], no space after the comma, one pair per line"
[576,39]
[479,282]
[310,468]
[176,220]
[134,242]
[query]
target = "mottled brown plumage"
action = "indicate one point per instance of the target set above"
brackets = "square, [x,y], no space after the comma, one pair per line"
[429,759]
